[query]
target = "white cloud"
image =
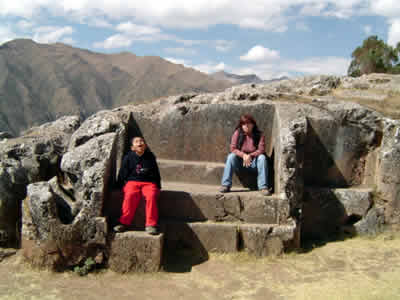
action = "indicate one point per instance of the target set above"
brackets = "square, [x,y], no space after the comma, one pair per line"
[180,51]
[223,46]
[98,22]
[51,34]
[317,65]
[25,25]
[367,29]
[259,53]
[288,67]
[137,30]
[271,15]
[6,34]
[115,41]
[220,67]
[209,67]
[394,33]
[178,61]
[386,8]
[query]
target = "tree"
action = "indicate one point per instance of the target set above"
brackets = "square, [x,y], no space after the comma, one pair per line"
[374,56]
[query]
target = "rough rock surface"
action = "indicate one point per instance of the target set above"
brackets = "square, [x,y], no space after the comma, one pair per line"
[266,240]
[136,252]
[32,157]
[322,149]
[77,229]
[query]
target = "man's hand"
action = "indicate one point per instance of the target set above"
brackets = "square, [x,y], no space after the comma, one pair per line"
[246,160]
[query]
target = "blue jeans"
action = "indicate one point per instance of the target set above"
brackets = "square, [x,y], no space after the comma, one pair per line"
[235,163]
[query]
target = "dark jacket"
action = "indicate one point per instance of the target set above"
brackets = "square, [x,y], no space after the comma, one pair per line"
[139,168]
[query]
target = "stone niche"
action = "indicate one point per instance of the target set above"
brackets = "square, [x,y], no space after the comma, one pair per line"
[335,154]
[202,133]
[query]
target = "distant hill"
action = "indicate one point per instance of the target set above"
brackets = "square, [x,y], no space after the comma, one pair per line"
[236,79]
[242,79]
[41,82]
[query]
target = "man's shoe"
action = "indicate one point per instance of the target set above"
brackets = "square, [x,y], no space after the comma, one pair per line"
[265,192]
[225,189]
[120,228]
[153,230]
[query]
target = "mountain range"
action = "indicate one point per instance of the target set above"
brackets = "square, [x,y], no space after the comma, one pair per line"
[243,79]
[41,82]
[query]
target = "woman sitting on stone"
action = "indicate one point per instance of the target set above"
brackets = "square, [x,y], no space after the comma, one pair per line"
[247,152]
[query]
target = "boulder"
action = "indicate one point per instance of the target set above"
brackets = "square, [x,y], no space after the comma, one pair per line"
[33,157]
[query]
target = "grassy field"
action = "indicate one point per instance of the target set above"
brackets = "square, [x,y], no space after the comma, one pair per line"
[358,268]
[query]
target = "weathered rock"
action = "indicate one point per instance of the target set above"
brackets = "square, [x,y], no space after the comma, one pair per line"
[5,135]
[201,237]
[47,242]
[193,202]
[30,158]
[372,223]
[388,170]
[266,240]
[326,211]
[136,251]
[6,252]
[74,226]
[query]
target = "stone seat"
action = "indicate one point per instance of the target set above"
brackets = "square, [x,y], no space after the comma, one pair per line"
[229,237]
[201,202]
[202,172]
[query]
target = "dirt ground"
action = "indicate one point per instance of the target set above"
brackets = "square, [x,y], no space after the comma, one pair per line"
[358,268]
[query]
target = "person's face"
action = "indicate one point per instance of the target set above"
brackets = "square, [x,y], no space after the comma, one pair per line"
[138,145]
[247,127]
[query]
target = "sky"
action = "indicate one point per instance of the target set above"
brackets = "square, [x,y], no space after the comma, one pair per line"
[269,38]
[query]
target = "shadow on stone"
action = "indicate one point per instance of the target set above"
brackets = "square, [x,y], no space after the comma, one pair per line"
[183,249]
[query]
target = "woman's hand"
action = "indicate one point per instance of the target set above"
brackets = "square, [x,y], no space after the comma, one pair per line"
[247,160]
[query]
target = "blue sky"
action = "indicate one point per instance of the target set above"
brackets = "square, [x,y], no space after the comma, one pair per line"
[269,38]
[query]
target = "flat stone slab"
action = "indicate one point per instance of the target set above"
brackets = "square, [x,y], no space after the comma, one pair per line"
[200,202]
[327,210]
[203,237]
[266,239]
[136,251]
[193,171]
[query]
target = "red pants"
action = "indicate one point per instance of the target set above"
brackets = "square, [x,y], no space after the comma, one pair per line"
[133,191]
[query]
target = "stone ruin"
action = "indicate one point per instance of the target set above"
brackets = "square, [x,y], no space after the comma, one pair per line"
[335,168]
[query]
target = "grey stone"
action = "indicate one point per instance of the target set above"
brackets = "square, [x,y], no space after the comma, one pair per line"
[372,223]
[135,252]
[30,158]
[202,237]
[47,242]
[326,211]
[266,240]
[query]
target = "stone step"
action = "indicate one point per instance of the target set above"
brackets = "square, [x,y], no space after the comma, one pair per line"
[327,210]
[200,202]
[204,237]
[200,172]
[136,251]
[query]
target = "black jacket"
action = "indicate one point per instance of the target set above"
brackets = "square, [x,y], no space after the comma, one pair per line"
[139,168]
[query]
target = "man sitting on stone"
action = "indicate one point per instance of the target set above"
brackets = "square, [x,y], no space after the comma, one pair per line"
[247,152]
[139,176]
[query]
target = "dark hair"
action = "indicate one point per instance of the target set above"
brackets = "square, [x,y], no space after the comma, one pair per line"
[245,119]
[137,136]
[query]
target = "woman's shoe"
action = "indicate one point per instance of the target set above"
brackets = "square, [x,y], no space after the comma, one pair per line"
[265,192]
[225,189]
